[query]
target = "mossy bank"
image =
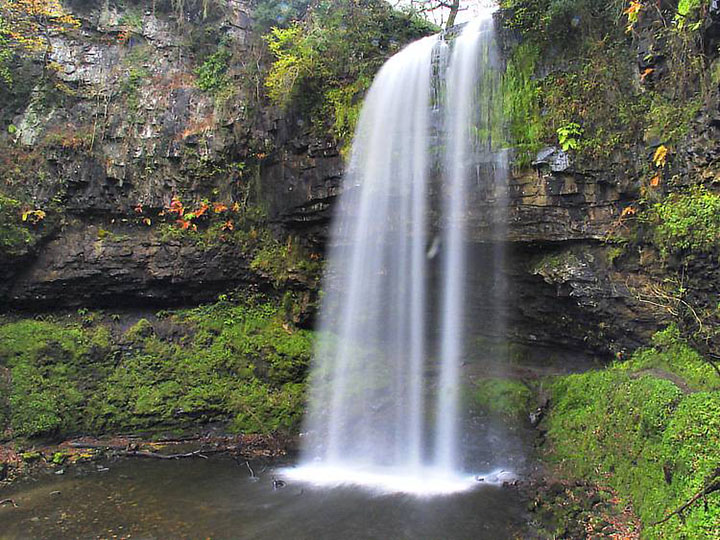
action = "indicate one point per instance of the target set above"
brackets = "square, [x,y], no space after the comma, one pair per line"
[238,363]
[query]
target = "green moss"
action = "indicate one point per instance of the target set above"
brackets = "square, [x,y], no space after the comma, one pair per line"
[345,104]
[232,356]
[522,103]
[503,397]
[139,331]
[48,364]
[668,120]
[281,261]
[641,435]
[670,353]
[230,361]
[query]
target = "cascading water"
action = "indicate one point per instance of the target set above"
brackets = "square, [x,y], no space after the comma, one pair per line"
[383,407]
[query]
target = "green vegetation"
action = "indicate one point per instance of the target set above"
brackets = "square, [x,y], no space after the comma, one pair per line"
[503,397]
[593,91]
[324,63]
[632,428]
[522,105]
[245,229]
[670,353]
[686,222]
[15,236]
[212,74]
[48,364]
[668,121]
[240,362]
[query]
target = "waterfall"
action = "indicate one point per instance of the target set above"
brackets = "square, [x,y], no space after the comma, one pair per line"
[385,386]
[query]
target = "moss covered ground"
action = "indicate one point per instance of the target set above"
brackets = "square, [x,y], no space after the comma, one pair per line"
[238,362]
[649,429]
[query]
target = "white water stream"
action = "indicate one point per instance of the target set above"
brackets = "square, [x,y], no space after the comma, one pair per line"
[384,398]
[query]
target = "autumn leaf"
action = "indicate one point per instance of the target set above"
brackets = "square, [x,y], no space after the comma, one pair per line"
[200,211]
[139,209]
[176,207]
[186,224]
[29,23]
[628,211]
[633,13]
[645,74]
[219,208]
[655,180]
[228,225]
[33,216]
[660,157]
[147,221]
[236,207]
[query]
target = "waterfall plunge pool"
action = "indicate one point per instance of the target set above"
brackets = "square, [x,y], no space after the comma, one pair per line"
[216,498]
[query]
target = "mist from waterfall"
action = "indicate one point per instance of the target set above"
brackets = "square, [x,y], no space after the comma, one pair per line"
[385,387]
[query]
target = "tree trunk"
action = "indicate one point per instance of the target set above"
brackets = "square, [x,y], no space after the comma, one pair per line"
[454,8]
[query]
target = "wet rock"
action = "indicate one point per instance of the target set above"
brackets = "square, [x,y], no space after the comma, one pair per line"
[555,159]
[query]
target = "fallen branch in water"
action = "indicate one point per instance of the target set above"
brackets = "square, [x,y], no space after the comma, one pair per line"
[711,486]
[8,501]
[157,455]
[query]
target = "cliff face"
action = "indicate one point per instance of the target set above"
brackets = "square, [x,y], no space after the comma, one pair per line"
[132,119]
[150,119]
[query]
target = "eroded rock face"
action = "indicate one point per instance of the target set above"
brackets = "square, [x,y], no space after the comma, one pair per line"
[132,129]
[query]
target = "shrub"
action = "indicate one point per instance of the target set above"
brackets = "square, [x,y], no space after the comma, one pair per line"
[686,222]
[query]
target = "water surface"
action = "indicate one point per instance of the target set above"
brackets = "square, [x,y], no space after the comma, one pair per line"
[218,499]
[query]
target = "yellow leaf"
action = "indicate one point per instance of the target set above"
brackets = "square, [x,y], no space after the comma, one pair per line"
[660,157]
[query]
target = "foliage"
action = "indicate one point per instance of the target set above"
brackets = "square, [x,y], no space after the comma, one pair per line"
[640,434]
[15,237]
[27,27]
[669,120]
[281,260]
[240,362]
[212,74]
[28,24]
[569,136]
[589,105]
[686,222]
[325,61]
[559,20]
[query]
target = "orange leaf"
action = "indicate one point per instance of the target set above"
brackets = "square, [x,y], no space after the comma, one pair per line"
[176,207]
[628,211]
[200,211]
[219,208]
[655,181]
[645,73]
[228,225]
